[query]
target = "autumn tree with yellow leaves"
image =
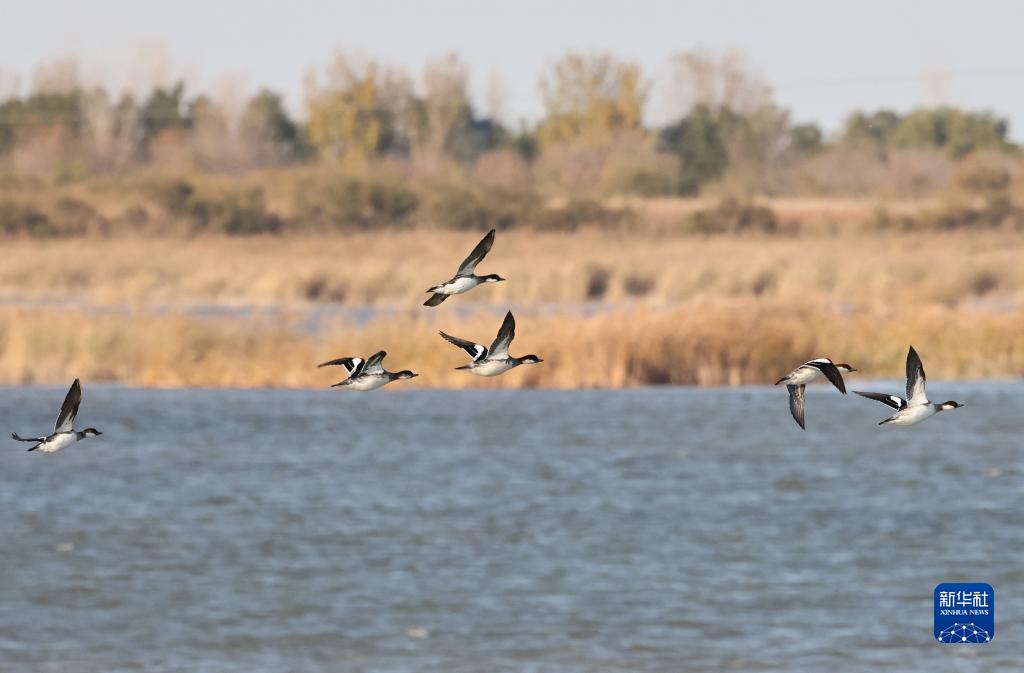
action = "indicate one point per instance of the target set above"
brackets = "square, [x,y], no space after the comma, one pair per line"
[353,114]
[592,98]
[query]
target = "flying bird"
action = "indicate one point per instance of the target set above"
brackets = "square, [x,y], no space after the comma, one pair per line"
[494,360]
[63,430]
[465,279]
[810,371]
[916,407]
[368,374]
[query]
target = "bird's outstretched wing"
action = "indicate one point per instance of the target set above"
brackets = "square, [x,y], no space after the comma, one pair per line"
[796,404]
[915,379]
[468,265]
[354,366]
[373,363]
[897,403]
[435,299]
[476,351]
[68,410]
[507,332]
[831,372]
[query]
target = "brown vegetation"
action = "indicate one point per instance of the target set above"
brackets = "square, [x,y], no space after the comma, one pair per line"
[602,307]
[883,270]
[731,343]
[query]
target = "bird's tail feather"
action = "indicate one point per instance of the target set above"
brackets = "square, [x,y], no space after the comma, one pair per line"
[19,438]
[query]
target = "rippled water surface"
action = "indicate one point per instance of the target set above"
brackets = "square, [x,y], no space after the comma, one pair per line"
[648,530]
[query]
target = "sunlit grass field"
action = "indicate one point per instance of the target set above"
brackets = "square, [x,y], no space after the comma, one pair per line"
[603,308]
[842,272]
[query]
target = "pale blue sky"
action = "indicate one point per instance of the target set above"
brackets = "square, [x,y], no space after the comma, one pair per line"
[823,58]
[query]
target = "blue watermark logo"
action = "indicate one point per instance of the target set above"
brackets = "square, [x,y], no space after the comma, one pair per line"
[965,613]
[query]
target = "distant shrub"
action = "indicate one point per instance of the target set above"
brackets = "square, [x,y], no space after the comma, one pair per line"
[580,213]
[637,285]
[646,182]
[731,216]
[597,282]
[20,181]
[764,282]
[321,288]
[885,220]
[70,171]
[357,203]
[463,207]
[135,217]
[983,282]
[173,195]
[997,211]
[237,213]
[69,216]
[982,179]
[959,216]
[74,217]
[22,219]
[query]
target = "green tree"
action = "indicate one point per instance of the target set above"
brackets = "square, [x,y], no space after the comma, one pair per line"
[956,131]
[701,142]
[806,139]
[39,114]
[164,108]
[730,123]
[267,130]
[872,132]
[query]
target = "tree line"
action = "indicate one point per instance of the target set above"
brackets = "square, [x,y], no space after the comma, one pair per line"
[357,109]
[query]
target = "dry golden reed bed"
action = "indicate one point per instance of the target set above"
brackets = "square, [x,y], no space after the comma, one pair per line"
[395,267]
[682,310]
[733,343]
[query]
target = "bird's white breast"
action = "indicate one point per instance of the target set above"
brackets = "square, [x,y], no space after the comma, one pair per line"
[59,442]
[459,285]
[368,382]
[914,415]
[804,375]
[491,367]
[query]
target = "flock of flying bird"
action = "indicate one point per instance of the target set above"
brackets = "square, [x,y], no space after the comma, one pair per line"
[369,373]
[910,411]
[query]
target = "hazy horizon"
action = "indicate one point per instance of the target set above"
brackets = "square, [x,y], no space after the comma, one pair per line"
[822,61]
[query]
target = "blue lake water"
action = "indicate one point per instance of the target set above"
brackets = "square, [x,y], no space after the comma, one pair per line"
[646,530]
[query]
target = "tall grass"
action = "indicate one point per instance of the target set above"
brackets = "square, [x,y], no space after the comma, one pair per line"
[729,343]
[884,270]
